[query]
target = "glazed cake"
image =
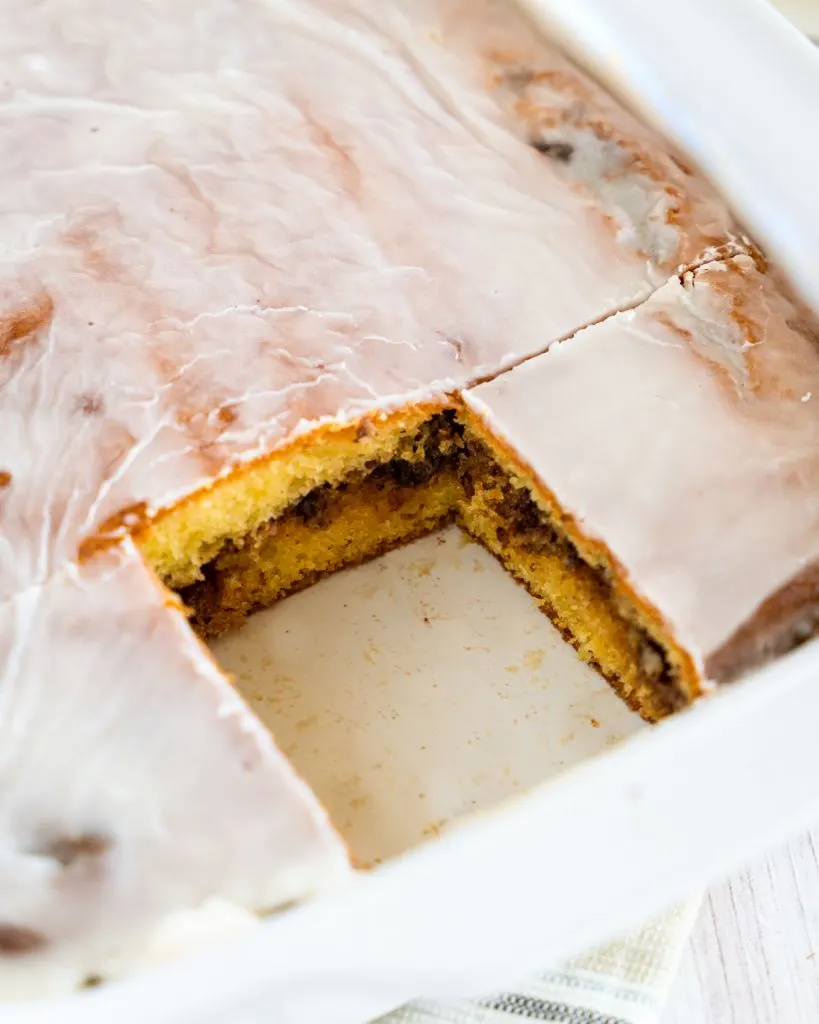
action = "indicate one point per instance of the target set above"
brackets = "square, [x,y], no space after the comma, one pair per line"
[682,547]
[248,296]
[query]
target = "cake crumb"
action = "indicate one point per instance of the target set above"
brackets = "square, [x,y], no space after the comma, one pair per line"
[434,828]
[533,659]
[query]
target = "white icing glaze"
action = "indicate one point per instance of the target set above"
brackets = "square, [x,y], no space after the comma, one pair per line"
[221,224]
[135,783]
[235,223]
[684,435]
[744,130]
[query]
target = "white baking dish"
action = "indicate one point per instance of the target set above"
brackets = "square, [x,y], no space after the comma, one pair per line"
[641,817]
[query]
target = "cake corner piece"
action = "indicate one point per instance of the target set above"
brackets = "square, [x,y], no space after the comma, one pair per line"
[694,503]
[142,787]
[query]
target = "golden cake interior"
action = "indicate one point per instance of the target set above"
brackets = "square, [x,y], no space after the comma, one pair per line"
[345,494]
[575,582]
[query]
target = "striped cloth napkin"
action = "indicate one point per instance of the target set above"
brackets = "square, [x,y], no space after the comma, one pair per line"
[626,982]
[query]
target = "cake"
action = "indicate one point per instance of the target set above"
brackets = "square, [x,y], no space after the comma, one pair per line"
[267,311]
[682,548]
[123,802]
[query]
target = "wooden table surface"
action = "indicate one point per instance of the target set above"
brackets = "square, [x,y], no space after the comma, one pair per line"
[754,955]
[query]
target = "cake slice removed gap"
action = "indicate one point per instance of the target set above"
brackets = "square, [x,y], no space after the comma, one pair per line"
[340,497]
[658,555]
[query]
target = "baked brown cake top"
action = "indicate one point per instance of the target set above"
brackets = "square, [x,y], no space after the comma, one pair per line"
[222,225]
[683,435]
[223,228]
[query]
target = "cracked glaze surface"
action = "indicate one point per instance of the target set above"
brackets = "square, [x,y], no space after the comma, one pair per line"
[209,241]
[222,223]
[688,441]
